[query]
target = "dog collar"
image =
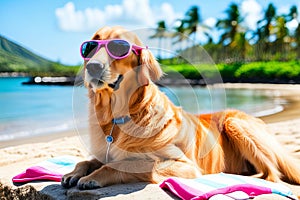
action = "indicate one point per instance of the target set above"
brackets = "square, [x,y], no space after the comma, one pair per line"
[121,120]
[109,138]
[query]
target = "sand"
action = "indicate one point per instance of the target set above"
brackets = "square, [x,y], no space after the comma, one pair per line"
[17,155]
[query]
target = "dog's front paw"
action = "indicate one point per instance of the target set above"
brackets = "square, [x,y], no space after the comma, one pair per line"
[70,180]
[85,183]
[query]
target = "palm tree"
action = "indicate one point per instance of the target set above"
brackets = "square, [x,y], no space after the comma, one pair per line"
[297,40]
[160,34]
[179,31]
[293,14]
[281,32]
[265,27]
[233,37]
[269,17]
[192,20]
[241,45]
[230,25]
[188,25]
[295,34]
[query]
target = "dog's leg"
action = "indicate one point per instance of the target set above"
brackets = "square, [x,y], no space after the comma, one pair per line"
[135,171]
[81,169]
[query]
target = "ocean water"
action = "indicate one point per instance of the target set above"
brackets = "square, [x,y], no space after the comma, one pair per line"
[33,110]
[30,110]
[205,100]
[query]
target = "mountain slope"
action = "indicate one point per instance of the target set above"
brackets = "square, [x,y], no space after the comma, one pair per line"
[14,57]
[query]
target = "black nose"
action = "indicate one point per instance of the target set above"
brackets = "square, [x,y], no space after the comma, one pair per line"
[95,68]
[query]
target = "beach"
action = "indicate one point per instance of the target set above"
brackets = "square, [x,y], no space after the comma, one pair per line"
[19,154]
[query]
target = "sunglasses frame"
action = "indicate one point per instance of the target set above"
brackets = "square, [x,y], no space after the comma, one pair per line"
[103,43]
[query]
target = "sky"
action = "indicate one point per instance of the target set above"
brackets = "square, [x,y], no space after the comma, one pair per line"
[55,29]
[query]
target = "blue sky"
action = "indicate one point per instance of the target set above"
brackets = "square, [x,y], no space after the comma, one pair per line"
[55,29]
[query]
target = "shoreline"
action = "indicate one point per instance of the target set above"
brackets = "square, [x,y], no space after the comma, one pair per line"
[38,138]
[290,94]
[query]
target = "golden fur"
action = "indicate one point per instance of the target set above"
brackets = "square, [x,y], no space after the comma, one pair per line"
[162,140]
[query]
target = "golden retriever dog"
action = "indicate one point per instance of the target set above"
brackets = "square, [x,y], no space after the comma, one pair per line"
[138,134]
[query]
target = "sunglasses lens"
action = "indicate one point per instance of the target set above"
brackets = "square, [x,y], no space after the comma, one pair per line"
[88,49]
[118,48]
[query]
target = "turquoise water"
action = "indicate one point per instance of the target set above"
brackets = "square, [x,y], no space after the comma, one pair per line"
[35,110]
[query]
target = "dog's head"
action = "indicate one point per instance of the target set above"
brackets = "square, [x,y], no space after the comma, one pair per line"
[101,69]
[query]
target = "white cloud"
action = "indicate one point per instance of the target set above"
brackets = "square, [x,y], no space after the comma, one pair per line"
[252,12]
[167,13]
[131,13]
[292,25]
[210,22]
[68,18]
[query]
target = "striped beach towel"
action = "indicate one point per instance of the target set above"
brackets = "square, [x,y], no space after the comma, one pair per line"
[52,169]
[224,186]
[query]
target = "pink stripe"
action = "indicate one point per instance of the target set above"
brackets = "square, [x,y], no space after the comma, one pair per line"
[180,189]
[45,177]
[37,173]
[186,192]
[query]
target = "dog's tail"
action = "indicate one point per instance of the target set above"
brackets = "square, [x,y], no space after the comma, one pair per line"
[288,166]
[251,137]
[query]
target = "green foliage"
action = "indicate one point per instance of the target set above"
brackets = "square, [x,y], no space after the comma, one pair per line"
[273,71]
[227,70]
[55,69]
[186,70]
[191,71]
[269,70]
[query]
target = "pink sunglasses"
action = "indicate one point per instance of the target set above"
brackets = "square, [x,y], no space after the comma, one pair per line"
[116,48]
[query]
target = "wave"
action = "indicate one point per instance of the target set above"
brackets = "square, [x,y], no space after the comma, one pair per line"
[267,112]
[38,131]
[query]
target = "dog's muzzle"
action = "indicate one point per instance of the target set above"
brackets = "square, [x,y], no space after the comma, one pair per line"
[96,73]
[95,69]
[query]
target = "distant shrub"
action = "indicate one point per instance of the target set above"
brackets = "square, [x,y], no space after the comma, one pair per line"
[273,71]
[269,70]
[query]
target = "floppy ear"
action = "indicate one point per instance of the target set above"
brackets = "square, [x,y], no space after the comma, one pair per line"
[149,68]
